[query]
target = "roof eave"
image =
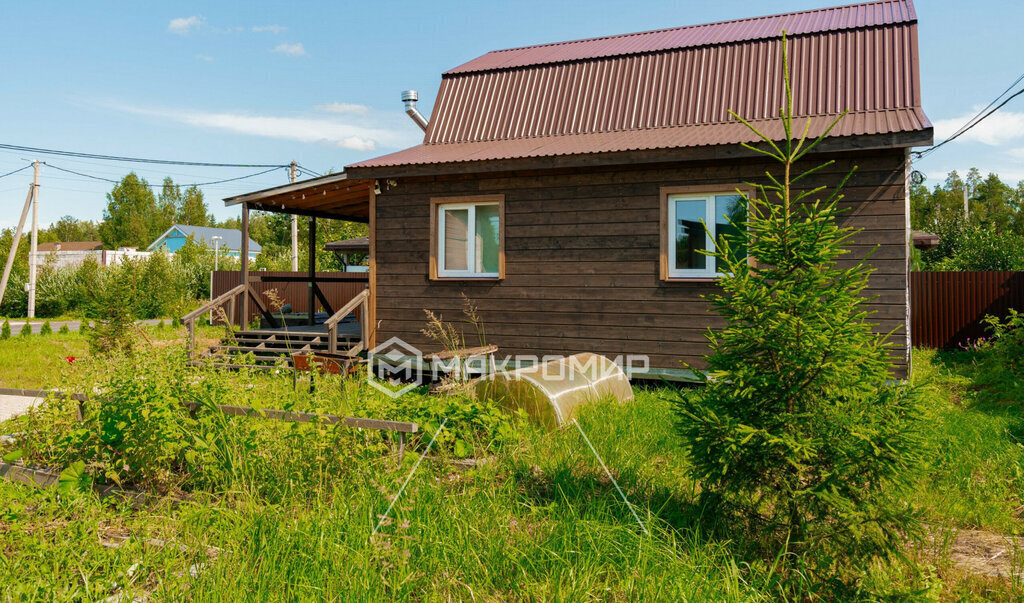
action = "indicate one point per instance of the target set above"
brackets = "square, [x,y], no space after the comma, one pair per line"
[914,138]
[256,196]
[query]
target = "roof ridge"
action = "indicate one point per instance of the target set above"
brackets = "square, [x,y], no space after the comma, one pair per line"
[712,23]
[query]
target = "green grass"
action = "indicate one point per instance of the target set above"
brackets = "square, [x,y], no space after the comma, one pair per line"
[540,521]
[39,361]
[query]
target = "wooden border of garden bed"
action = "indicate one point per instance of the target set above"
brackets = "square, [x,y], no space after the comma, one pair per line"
[400,427]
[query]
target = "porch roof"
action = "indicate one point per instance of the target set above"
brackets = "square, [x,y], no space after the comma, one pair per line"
[334,196]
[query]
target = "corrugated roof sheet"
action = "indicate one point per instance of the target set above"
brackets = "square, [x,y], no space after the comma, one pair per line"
[867,14]
[854,124]
[674,88]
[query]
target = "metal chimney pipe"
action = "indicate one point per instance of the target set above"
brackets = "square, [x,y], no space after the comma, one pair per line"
[409,97]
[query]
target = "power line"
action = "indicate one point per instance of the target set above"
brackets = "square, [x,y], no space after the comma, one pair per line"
[978,118]
[308,171]
[16,171]
[110,180]
[41,151]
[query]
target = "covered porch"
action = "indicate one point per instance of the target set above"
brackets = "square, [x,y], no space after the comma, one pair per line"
[319,327]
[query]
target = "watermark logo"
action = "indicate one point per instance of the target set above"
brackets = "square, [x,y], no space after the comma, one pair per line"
[395,367]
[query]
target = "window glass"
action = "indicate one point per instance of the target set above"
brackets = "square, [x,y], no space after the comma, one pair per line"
[689,234]
[456,233]
[487,239]
[730,213]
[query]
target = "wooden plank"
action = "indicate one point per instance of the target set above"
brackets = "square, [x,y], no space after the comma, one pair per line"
[308,417]
[41,393]
[33,477]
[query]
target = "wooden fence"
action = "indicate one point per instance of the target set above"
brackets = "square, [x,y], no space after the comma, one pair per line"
[295,293]
[946,308]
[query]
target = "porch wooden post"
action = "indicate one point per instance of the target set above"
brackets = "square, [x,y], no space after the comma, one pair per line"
[244,319]
[312,269]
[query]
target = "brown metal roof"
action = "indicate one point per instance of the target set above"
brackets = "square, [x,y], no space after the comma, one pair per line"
[332,196]
[356,245]
[70,246]
[867,14]
[674,88]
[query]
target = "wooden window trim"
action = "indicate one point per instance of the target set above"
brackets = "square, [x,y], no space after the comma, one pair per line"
[663,235]
[435,203]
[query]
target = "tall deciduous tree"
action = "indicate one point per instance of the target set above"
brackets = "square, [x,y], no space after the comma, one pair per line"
[193,209]
[132,218]
[69,228]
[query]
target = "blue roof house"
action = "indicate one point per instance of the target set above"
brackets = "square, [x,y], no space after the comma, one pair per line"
[230,243]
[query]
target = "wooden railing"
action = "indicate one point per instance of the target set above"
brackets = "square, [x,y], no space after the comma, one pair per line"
[189,320]
[359,301]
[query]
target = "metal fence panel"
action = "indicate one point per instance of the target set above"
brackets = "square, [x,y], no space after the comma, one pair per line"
[947,308]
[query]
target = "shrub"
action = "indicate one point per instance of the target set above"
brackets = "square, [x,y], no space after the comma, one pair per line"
[83,326]
[797,433]
[64,330]
[112,332]
[46,329]
[5,330]
[26,330]
[967,245]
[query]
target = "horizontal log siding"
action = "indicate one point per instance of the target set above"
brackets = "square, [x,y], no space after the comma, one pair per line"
[582,258]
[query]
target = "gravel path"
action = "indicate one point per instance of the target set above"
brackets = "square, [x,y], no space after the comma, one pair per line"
[17,325]
[15,405]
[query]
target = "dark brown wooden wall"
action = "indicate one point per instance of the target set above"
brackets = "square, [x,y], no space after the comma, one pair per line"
[582,257]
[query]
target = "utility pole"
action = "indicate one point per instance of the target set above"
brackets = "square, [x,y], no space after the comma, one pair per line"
[16,241]
[966,210]
[34,242]
[292,175]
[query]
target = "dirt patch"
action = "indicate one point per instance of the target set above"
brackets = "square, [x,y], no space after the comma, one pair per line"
[987,553]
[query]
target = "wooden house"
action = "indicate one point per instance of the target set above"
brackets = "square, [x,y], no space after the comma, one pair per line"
[558,186]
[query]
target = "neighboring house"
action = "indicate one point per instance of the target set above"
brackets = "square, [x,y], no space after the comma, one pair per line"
[75,253]
[345,250]
[230,243]
[560,186]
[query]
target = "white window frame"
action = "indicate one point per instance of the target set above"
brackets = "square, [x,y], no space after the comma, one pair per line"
[471,250]
[710,271]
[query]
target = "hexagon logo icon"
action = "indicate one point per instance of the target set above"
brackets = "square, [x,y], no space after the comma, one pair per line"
[395,367]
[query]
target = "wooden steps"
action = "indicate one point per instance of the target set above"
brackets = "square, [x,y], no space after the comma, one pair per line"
[268,346]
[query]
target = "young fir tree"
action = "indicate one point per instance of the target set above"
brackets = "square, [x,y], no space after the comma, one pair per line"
[46,329]
[5,330]
[26,330]
[799,432]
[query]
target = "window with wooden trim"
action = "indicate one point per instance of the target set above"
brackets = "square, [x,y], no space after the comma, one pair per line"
[684,236]
[467,238]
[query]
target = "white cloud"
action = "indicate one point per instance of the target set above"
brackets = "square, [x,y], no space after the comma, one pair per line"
[182,26]
[274,29]
[335,107]
[997,129]
[333,131]
[292,50]
[204,57]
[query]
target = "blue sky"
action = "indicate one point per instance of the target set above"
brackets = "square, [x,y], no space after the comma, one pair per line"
[268,82]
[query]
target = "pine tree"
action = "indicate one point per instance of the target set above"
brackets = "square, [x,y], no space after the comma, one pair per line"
[798,432]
